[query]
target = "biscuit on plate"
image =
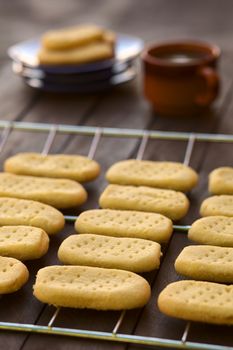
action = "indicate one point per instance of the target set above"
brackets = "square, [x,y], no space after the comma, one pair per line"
[68,38]
[84,54]
[76,45]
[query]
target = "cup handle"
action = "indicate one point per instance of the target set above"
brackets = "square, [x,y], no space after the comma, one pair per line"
[212,83]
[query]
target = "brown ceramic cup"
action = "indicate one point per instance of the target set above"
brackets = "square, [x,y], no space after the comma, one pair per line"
[180,78]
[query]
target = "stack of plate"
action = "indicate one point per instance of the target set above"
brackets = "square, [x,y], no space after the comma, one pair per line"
[82,78]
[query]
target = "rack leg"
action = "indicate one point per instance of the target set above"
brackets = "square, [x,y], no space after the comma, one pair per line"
[189,149]
[49,140]
[4,136]
[186,332]
[94,143]
[143,144]
[53,318]
[119,322]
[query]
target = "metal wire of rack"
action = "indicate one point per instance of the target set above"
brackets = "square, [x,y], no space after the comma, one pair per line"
[97,133]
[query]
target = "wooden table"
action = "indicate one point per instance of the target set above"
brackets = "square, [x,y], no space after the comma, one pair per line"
[123,107]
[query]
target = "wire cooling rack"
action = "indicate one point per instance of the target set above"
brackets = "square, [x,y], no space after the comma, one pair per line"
[97,133]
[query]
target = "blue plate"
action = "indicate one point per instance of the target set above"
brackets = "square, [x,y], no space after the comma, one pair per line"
[103,74]
[89,87]
[127,48]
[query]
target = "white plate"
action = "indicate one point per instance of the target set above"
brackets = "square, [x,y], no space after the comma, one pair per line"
[127,48]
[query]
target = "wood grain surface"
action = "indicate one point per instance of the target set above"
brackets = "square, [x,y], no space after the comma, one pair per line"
[125,107]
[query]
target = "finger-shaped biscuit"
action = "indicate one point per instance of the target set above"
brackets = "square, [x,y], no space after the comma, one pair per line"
[14,211]
[137,255]
[213,230]
[23,242]
[198,301]
[66,38]
[13,275]
[171,175]
[60,193]
[125,223]
[221,181]
[217,205]
[207,263]
[65,166]
[84,54]
[91,287]
[170,203]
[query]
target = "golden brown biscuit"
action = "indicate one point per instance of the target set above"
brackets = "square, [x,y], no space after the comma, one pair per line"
[221,181]
[136,255]
[213,230]
[170,175]
[84,54]
[217,205]
[91,288]
[14,211]
[125,223]
[170,203]
[60,193]
[65,166]
[67,38]
[13,275]
[207,263]
[23,242]
[198,301]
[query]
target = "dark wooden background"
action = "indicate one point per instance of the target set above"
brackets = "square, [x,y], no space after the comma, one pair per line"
[152,20]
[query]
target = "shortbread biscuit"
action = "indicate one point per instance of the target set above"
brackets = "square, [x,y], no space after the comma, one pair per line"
[213,230]
[198,301]
[221,181]
[207,263]
[60,193]
[65,166]
[166,202]
[137,255]
[125,223]
[217,205]
[23,242]
[13,275]
[67,38]
[91,287]
[14,211]
[83,54]
[171,175]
